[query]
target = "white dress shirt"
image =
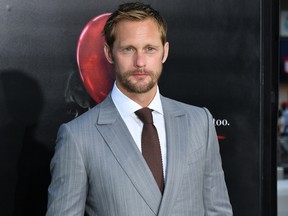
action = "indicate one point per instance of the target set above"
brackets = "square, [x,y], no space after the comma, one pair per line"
[127,108]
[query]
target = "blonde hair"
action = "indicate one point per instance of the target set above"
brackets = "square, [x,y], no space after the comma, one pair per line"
[134,11]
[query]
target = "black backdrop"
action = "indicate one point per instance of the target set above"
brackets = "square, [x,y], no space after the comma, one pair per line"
[222,56]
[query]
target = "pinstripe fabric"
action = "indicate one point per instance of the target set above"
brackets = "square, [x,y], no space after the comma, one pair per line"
[97,167]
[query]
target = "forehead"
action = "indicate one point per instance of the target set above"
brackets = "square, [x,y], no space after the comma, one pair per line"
[145,30]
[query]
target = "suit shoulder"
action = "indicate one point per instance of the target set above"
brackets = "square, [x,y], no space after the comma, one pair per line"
[87,118]
[201,115]
[99,113]
[187,108]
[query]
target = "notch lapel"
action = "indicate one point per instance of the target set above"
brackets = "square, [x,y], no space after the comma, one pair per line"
[123,147]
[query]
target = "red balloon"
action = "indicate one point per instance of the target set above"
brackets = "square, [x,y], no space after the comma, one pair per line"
[96,72]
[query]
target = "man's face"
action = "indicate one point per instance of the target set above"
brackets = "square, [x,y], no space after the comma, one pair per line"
[137,55]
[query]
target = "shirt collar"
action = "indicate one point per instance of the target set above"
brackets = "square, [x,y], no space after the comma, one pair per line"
[126,106]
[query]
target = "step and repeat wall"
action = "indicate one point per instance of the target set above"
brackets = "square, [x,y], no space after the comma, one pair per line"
[216,61]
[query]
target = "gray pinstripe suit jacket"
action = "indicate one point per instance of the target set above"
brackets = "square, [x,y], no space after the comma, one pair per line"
[97,167]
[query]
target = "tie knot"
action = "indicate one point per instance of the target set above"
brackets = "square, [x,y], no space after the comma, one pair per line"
[145,115]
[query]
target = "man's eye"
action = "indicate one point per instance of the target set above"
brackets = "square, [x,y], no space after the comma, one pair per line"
[128,50]
[151,49]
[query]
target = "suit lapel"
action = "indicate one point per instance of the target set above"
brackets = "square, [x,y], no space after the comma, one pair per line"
[176,132]
[123,147]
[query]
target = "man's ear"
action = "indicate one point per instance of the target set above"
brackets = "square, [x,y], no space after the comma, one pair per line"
[166,51]
[108,53]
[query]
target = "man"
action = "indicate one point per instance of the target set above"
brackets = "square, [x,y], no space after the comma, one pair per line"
[99,165]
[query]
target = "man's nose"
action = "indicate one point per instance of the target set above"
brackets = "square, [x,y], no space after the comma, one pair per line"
[139,59]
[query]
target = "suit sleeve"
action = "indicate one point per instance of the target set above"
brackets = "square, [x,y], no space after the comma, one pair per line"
[68,188]
[216,199]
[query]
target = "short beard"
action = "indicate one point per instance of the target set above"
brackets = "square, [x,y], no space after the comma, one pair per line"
[132,88]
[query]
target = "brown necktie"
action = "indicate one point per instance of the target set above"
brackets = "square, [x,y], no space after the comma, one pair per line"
[151,146]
